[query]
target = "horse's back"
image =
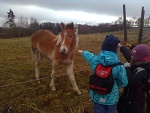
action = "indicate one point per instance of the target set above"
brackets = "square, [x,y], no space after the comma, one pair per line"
[40,34]
[43,40]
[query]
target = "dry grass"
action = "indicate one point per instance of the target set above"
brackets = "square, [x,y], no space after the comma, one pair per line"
[32,97]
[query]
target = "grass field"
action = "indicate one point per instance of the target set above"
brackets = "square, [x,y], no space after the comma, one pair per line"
[25,95]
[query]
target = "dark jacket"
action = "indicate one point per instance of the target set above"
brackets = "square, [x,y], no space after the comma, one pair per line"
[132,99]
[134,92]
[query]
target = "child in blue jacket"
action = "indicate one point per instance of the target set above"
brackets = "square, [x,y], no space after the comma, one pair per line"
[107,56]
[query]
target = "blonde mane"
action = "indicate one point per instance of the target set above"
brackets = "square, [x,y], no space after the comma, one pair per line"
[58,39]
[76,41]
[77,38]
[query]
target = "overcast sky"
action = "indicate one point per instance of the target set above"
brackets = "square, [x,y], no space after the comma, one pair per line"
[77,11]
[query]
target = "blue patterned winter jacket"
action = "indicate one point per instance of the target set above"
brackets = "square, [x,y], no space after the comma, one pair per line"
[119,74]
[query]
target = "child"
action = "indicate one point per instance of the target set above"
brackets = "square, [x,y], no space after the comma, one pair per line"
[107,56]
[132,99]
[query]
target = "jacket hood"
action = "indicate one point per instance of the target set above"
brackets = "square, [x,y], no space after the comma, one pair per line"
[108,58]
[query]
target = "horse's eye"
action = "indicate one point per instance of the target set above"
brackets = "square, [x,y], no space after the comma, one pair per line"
[71,36]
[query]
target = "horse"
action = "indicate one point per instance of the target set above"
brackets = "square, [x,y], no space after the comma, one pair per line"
[60,49]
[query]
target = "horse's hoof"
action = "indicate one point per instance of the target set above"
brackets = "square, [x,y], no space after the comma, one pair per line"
[90,100]
[53,89]
[79,93]
[38,80]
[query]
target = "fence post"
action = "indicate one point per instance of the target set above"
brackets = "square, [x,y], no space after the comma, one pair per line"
[125,23]
[141,26]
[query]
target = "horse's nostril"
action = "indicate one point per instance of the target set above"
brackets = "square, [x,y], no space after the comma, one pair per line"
[63,51]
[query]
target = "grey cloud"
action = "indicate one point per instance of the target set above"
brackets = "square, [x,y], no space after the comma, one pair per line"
[111,7]
[101,7]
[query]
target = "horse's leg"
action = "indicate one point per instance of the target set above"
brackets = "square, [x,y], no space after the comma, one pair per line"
[52,83]
[36,59]
[72,78]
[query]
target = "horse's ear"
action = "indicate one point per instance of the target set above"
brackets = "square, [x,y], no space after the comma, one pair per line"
[70,26]
[63,26]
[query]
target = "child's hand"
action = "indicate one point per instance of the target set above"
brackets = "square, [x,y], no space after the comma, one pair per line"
[124,42]
[80,51]
[127,44]
[127,64]
[119,45]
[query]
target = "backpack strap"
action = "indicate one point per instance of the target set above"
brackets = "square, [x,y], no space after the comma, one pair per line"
[119,63]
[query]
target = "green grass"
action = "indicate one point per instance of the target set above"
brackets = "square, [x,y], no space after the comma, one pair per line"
[33,97]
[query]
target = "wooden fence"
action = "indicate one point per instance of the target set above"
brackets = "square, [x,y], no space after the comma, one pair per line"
[137,32]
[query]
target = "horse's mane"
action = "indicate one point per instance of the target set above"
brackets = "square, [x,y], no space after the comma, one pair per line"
[76,40]
[76,35]
[58,39]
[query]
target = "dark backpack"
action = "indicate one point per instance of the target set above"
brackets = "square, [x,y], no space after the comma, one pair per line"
[147,84]
[137,77]
[101,81]
[146,81]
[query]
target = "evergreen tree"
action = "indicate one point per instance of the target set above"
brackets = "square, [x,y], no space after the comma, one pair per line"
[11,17]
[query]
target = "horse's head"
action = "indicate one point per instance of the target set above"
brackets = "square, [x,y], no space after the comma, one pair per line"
[69,38]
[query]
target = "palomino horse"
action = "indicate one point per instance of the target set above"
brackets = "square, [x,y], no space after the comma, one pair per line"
[59,49]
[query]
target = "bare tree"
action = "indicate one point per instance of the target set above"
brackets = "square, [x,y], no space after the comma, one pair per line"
[4,22]
[34,25]
[23,22]
[119,21]
[147,22]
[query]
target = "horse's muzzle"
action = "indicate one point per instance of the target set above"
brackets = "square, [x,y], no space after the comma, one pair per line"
[63,51]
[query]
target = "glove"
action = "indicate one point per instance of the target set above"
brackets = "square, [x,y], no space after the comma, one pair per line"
[127,64]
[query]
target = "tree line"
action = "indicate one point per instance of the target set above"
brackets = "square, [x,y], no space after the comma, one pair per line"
[25,27]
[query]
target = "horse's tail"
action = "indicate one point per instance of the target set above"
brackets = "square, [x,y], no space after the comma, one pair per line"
[35,53]
[35,38]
